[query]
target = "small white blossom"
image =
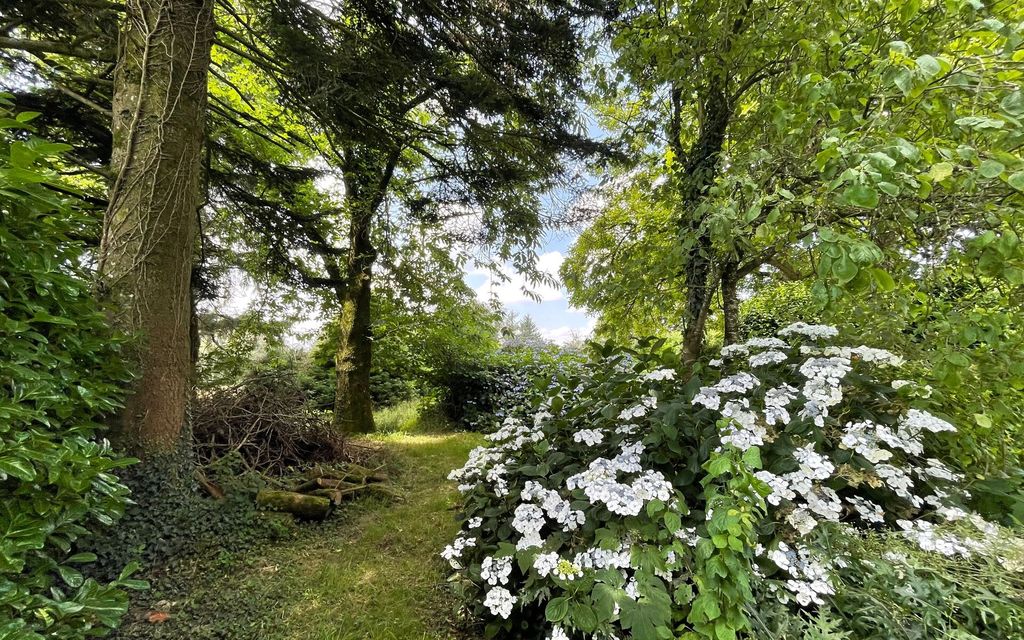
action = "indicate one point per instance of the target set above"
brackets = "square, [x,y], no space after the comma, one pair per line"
[499,600]
[590,437]
[496,570]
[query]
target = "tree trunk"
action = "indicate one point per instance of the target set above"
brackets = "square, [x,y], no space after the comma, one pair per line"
[149,231]
[731,302]
[353,407]
[700,172]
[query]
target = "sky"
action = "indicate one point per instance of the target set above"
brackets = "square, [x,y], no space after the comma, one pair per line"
[557,319]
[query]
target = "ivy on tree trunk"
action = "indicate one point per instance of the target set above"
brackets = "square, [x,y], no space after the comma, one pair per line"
[150,227]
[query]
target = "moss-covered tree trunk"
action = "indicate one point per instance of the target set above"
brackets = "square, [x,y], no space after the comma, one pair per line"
[149,231]
[353,407]
[367,177]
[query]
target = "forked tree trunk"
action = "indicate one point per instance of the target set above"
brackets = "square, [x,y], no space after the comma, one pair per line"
[149,231]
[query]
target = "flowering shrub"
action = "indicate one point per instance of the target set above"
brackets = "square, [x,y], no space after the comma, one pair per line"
[634,504]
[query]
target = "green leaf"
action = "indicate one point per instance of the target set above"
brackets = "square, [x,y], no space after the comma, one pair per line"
[983,421]
[1016,181]
[929,66]
[883,280]
[861,195]
[1013,103]
[844,269]
[940,171]
[991,168]
[557,609]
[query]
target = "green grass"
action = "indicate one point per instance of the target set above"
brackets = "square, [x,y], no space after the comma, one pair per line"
[371,573]
[384,579]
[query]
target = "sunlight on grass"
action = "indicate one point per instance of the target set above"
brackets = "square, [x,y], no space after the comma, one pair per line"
[382,577]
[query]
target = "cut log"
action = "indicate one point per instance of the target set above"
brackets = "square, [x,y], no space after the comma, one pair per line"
[310,486]
[303,506]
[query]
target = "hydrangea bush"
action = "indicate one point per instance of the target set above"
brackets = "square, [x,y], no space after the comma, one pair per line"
[637,504]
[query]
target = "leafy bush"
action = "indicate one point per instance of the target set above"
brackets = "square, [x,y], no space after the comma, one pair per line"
[633,505]
[776,306]
[60,372]
[478,395]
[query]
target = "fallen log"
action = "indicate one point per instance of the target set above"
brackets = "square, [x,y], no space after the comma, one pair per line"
[310,486]
[302,506]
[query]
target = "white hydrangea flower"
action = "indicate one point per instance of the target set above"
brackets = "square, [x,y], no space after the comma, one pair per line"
[737,383]
[545,563]
[812,463]
[453,552]
[557,633]
[528,520]
[500,600]
[862,437]
[660,374]
[474,523]
[496,570]
[927,538]
[917,420]
[779,486]
[767,343]
[868,510]
[766,358]
[597,558]
[639,410]
[824,502]
[590,437]
[899,384]
[708,397]
[802,520]
[813,331]
[775,402]
[733,350]
[743,431]
[688,535]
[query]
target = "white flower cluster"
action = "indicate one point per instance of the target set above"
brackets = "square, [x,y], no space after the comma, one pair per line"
[453,552]
[600,482]
[500,600]
[660,374]
[639,410]
[496,570]
[884,459]
[590,437]
[812,331]
[810,578]
[489,463]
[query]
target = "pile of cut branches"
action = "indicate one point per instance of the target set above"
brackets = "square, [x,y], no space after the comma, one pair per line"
[269,421]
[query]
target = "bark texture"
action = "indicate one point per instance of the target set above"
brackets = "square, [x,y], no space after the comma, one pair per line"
[701,169]
[353,406]
[149,231]
[731,301]
[366,183]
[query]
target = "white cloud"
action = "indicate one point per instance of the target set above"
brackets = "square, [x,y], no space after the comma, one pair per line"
[511,289]
[565,334]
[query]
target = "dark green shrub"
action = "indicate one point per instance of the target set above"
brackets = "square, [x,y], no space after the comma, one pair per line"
[776,306]
[60,372]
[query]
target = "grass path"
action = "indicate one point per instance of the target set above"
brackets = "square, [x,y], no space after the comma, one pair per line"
[372,573]
[382,579]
